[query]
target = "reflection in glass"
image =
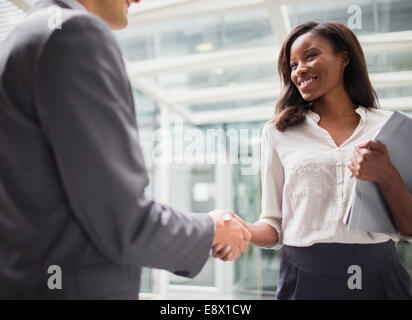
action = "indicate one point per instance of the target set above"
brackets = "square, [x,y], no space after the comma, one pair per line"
[219,77]
[377,16]
[389,62]
[195,193]
[232,30]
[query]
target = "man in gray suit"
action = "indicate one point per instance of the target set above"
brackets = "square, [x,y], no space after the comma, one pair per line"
[74,221]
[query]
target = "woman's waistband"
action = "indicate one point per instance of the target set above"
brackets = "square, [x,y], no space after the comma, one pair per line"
[337,258]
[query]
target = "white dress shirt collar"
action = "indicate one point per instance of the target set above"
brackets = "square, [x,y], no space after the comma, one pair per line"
[73,4]
[359,110]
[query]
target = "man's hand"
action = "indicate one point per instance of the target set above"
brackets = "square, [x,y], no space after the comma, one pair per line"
[231,236]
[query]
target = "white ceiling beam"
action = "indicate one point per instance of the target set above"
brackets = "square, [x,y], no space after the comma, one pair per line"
[25,5]
[398,103]
[372,44]
[177,100]
[391,79]
[225,94]
[279,20]
[288,2]
[252,113]
[266,90]
[386,42]
[150,89]
[206,61]
[265,113]
[144,14]
[152,12]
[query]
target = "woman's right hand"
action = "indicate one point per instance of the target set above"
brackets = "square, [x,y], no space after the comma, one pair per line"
[222,252]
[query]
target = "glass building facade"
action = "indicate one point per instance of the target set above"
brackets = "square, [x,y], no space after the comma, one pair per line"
[223,90]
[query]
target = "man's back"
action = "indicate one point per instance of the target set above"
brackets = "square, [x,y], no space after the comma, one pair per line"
[37,224]
[72,174]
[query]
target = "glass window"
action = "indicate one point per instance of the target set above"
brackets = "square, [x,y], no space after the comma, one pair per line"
[194,36]
[147,115]
[389,62]
[219,77]
[256,271]
[393,92]
[196,193]
[377,16]
[232,105]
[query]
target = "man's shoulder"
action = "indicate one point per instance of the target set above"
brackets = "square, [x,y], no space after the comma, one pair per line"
[40,25]
[50,22]
[69,28]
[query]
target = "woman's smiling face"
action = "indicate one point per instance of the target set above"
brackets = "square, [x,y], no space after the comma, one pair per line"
[316,69]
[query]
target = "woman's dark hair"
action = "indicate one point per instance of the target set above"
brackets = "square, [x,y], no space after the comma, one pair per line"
[291,109]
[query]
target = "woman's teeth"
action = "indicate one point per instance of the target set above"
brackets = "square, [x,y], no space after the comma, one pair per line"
[304,83]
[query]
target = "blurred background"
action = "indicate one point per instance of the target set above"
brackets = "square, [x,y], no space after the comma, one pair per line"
[203,66]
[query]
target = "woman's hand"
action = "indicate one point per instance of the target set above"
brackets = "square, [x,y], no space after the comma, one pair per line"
[371,162]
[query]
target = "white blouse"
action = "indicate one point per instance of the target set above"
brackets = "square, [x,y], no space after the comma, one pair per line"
[306,182]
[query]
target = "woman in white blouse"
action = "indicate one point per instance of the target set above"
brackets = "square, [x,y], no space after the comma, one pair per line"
[321,135]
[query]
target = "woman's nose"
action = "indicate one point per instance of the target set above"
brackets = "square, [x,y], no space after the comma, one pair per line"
[301,69]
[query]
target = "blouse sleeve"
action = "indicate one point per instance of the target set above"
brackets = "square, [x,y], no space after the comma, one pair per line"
[272,185]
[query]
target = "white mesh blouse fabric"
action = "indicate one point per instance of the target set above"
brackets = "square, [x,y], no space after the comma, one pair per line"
[306,183]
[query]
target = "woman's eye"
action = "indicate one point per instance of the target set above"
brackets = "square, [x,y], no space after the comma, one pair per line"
[293,66]
[310,55]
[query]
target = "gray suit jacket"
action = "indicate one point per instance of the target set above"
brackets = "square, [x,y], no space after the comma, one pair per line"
[72,174]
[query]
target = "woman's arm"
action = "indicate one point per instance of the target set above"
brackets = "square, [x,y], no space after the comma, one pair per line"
[262,234]
[371,162]
[398,199]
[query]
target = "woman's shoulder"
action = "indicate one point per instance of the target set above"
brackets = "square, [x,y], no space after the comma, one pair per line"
[270,133]
[275,138]
[269,126]
[378,114]
[270,129]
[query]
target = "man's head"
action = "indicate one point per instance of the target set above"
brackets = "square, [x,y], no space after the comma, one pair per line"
[114,12]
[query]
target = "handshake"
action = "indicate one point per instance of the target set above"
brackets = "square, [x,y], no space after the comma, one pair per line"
[231,235]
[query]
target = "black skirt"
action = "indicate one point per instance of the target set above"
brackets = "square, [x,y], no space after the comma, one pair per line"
[336,271]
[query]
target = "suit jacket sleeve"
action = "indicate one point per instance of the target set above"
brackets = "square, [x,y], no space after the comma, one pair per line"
[85,107]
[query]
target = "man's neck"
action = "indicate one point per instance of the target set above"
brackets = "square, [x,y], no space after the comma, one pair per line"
[88,4]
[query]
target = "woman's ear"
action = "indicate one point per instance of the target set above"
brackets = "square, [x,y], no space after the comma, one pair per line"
[345,59]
